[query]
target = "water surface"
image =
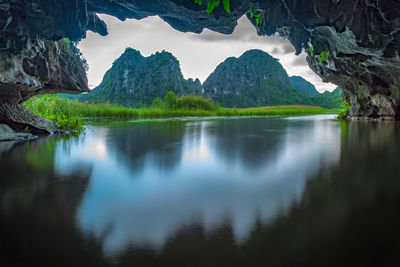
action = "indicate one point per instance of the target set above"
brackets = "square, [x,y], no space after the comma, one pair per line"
[292,191]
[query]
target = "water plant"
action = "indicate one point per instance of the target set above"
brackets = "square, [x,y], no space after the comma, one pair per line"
[70,114]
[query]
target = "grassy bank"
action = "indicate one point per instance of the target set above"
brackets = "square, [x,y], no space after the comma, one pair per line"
[105,110]
[69,114]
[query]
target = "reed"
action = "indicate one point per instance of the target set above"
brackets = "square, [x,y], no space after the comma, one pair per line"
[70,114]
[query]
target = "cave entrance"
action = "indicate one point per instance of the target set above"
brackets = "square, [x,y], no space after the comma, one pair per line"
[198,54]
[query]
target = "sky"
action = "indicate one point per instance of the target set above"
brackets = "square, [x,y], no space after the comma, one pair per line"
[198,54]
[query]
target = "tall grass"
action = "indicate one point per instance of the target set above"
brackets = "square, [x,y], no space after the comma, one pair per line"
[57,109]
[69,114]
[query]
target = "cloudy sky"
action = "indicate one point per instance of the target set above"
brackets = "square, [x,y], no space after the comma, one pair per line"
[198,54]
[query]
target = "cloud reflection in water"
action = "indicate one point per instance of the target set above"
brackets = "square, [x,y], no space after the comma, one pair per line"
[214,183]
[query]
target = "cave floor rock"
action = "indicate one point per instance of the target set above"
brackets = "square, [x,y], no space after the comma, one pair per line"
[7,134]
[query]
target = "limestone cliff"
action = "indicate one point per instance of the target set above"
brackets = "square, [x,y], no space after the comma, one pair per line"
[252,80]
[135,80]
[39,67]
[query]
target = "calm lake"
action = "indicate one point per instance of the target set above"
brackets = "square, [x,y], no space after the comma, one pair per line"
[289,191]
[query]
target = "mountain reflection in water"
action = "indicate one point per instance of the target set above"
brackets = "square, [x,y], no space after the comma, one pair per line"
[294,191]
[208,172]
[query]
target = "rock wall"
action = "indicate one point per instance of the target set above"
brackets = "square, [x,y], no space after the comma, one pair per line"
[137,80]
[352,43]
[41,66]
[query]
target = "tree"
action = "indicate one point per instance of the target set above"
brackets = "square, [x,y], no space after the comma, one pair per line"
[158,103]
[170,100]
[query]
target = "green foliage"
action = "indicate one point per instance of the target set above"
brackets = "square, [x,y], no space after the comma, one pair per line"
[59,110]
[359,64]
[170,100]
[311,51]
[64,110]
[195,103]
[254,79]
[323,56]
[303,86]
[227,6]
[135,81]
[158,103]
[66,41]
[212,4]
[330,100]
[187,102]
[344,112]
[254,13]
[72,48]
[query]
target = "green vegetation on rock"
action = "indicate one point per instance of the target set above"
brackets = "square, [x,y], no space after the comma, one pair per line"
[254,79]
[72,48]
[135,81]
[212,4]
[257,79]
[255,13]
[329,99]
[323,56]
[56,109]
[344,112]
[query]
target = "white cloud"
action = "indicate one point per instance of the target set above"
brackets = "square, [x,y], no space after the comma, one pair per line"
[199,54]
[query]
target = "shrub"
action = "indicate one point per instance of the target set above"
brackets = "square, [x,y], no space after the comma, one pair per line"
[194,103]
[170,100]
[344,112]
[59,110]
[187,102]
[157,103]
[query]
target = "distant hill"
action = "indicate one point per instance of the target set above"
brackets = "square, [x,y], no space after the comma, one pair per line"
[328,99]
[134,80]
[253,79]
[71,96]
[303,86]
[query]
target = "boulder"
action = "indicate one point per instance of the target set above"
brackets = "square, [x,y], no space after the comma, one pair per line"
[7,134]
